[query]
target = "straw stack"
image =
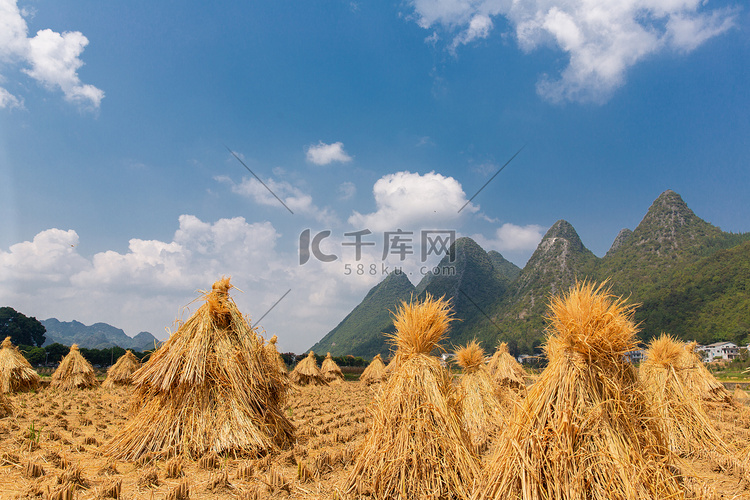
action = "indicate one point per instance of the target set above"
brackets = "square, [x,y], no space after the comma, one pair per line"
[74,372]
[6,407]
[391,367]
[586,430]
[505,370]
[482,412]
[307,372]
[16,373]
[331,371]
[205,391]
[416,448]
[373,374]
[740,396]
[699,380]
[689,428]
[121,372]
[279,384]
[273,356]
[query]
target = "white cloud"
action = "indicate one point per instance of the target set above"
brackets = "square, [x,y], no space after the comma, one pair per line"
[50,58]
[323,154]
[51,257]
[8,100]
[347,190]
[510,237]
[199,252]
[410,200]
[297,201]
[515,243]
[146,287]
[686,32]
[479,27]
[603,38]
[455,13]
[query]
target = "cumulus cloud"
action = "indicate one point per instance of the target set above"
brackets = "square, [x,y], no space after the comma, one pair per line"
[516,243]
[294,198]
[52,59]
[510,238]
[602,39]
[51,256]
[410,200]
[147,286]
[323,154]
[192,256]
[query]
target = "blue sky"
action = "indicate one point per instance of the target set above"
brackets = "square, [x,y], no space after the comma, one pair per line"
[119,198]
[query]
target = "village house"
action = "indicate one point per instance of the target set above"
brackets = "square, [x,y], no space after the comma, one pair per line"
[720,350]
[636,356]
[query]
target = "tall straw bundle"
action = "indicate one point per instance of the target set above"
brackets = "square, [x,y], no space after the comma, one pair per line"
[699,380]
[273,356]
[482,412]
[16,373]
[205,390]
[280,383]
[689,428]
[416,447]
[331,371]
[121,372]
[391,367]
[307,372]
[74,372]
[586,430]
[505,370]
[373,374]
[740,396]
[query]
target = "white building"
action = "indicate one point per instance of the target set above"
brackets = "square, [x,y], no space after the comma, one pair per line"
[720,350]
[636,356]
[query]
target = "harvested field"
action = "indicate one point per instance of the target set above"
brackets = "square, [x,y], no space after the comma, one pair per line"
[52,443]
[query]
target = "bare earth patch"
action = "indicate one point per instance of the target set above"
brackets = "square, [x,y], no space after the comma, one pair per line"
[51,445]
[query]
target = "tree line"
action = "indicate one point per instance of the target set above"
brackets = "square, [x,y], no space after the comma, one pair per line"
[53,354]
[28,334]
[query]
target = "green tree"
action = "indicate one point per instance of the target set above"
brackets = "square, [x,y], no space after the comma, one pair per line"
[22,330]
[34,355]
[56,352]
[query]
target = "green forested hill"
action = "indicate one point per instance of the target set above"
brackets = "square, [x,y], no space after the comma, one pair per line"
[559,260]
[707,301]
[467,277]
[669,236]
[361,332]
[503,267]
[689,277]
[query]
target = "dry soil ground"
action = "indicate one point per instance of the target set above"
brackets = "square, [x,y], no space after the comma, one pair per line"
[50,447]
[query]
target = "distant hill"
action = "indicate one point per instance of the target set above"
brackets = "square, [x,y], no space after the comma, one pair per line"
[708,300]
[690,278]
[623,235]
[361,331]
[467,277]
[96,336]
[670,235]
[503,267]
[558,261]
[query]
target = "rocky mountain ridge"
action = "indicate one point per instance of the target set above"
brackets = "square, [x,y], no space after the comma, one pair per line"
[654,264]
